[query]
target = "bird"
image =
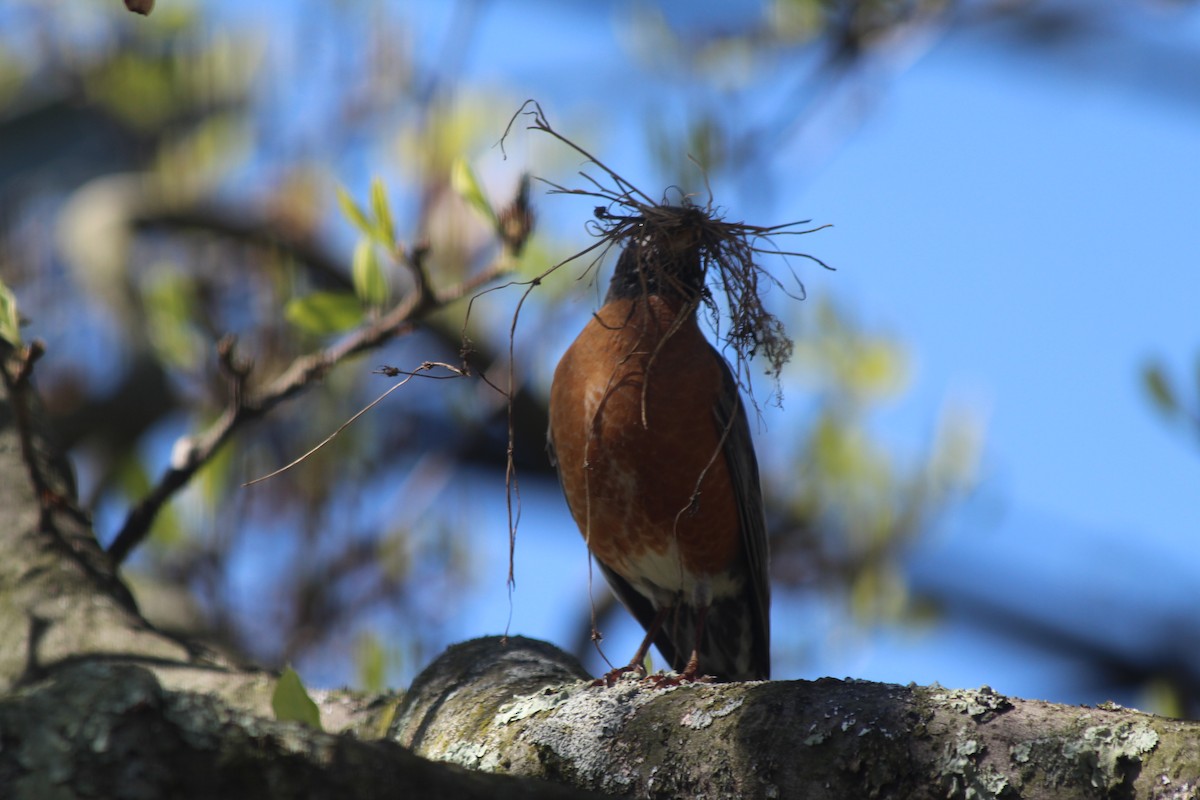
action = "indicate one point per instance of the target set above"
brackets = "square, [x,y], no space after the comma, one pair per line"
[649,434]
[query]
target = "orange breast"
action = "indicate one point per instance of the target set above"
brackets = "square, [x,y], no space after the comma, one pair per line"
[638,445]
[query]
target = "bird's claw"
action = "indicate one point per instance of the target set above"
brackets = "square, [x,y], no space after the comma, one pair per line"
[665,680]
[611,677]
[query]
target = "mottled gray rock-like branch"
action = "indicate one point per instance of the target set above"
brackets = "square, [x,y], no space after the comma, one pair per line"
[505,706]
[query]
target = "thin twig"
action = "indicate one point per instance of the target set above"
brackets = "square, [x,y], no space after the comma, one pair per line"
[418,372]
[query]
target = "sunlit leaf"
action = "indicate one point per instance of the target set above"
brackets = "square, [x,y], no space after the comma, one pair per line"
[324,312]
[10,320]
[370,281]
[385,227]
[463,180]
[291,702]
[352,212]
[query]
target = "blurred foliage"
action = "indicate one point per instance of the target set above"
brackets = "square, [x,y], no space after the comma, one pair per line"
[852,506]
[465,182]
[374,661]
[165,183]
[1169,399]
[323,313]
[176,225]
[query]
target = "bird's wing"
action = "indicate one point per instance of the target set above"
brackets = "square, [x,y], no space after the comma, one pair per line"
[738,450]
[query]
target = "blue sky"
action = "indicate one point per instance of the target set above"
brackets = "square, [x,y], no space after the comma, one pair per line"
[1034,241]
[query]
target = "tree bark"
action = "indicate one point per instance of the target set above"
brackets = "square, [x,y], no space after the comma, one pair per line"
[506,707]
[95,702]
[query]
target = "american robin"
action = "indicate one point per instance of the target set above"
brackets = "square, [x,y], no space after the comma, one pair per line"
[653,450]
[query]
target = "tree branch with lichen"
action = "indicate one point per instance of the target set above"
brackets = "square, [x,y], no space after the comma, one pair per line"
[525,708]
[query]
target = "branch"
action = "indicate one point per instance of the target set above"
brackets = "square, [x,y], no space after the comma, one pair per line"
[113,730]
[241,225]
[50,482]
[16,368]
[525,709]
[192,453]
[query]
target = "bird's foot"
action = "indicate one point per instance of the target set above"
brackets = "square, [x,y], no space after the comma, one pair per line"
[611,677]
[668,679]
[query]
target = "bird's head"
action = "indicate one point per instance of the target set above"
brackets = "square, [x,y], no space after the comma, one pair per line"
[664,257]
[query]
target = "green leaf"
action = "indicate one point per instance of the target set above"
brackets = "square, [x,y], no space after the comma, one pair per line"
[370,281]
[324,312]
[1159,388]
[291,702]
[385,228]
[353,213]
[463,180]
[10,320]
